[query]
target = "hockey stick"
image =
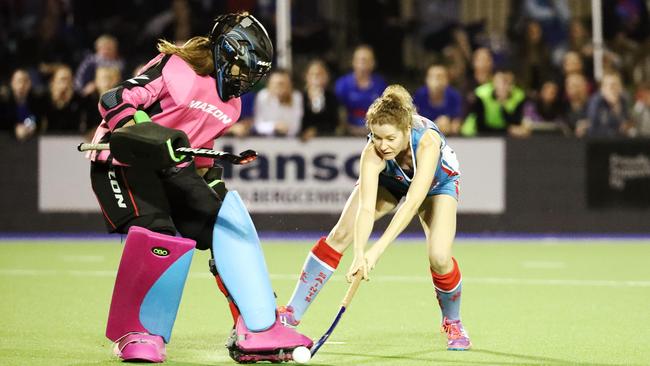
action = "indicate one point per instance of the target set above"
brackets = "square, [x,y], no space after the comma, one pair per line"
[244,157]
[356,280]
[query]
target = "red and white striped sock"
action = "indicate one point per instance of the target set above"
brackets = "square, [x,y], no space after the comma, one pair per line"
[321,262]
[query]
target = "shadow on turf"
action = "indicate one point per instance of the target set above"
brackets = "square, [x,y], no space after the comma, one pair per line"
[417,356]
[425,356]
[166,363]
[115,362]
[178,363]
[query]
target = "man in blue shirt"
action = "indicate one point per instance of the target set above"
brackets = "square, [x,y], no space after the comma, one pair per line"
[357,90]
[438,101]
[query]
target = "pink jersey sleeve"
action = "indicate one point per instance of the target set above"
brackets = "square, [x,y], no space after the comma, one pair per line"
[174,96]
[118,105]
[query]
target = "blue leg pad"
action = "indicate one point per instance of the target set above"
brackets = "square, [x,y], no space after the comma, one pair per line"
[160,305]
[240,261]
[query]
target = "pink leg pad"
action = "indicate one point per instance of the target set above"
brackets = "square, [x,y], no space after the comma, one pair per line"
[149,284]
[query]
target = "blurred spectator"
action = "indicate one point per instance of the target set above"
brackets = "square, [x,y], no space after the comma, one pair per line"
[498,108]
[482,69]
[545,112]
[106,78]
[106,54]
[572,63]
[552,16]
[439,102]
[580,39]
[580,42]
[577,95]
[608,111]
[245,122]
[278,107]
[18,106]
[321,108]
[358,89]
[61,109]
[641,110]
[457,68]
[482,66]
[533,58]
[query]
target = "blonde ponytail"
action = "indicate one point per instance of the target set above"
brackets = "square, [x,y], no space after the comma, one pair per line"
[394,107]
[196,52]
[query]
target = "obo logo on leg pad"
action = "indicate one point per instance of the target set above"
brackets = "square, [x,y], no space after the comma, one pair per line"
[160,251]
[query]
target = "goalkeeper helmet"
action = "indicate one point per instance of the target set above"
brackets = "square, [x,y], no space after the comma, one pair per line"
[242,53]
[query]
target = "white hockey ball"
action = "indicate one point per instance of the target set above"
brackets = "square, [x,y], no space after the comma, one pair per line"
[301,354]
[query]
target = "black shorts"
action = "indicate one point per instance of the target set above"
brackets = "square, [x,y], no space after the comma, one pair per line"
[396,190]
[176,200]
[449,187]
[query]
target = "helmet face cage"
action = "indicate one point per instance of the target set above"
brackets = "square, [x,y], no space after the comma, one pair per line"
[242,54]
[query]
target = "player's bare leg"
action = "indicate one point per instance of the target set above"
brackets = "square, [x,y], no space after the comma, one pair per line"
[438,218]
[324,257]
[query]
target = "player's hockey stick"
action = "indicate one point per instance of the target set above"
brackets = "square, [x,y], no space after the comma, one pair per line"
[356,280]
[244,157]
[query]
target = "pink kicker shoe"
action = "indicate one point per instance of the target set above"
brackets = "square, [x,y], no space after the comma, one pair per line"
[274,344]
[140,347]
[285,313]
[457,337]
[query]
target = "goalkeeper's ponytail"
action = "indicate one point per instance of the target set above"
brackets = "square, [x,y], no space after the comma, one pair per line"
[196,52]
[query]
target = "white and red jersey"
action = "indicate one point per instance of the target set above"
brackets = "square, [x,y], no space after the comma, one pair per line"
[174,96]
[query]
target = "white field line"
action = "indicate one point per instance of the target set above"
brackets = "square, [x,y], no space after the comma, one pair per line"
[27,272]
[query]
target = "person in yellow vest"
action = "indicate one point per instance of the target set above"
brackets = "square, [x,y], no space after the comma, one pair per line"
[497,109]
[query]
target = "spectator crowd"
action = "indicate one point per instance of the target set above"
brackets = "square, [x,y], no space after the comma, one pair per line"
[541,81]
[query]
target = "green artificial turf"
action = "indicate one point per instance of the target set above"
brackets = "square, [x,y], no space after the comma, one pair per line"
[524,303]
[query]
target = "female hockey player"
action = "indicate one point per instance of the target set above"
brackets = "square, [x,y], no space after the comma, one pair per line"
[406,157]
